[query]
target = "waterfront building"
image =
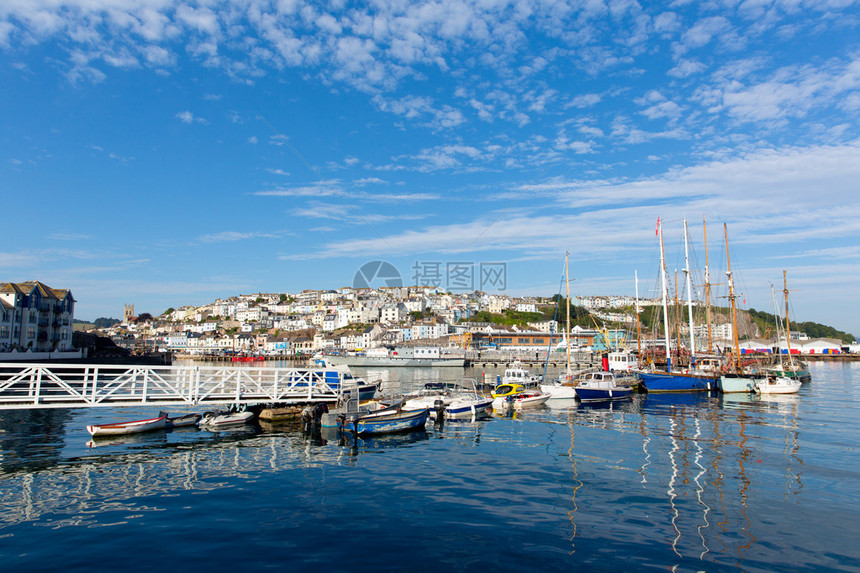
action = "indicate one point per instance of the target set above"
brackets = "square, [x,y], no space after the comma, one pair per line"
[35,316]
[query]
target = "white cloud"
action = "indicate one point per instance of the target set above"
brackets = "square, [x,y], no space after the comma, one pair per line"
[188,118]
[584,100]
[232,236]
[761,195]
[69,237]
[788,92]
[318,189]
[420,107]
[685,68]
[705,30]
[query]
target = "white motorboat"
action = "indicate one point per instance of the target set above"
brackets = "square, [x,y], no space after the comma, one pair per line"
[225,419]
[516,374]
[778,385]
[455,401]
[559,390]
[467,407]
[517,396]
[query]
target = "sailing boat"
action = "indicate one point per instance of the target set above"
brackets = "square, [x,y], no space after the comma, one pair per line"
[737,380]
[778,384]
[795,369]
[562,389]
[676,380]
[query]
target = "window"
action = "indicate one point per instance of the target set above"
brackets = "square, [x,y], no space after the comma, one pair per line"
[31,332]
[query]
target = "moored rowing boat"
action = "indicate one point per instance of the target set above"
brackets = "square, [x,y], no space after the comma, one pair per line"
[125,428]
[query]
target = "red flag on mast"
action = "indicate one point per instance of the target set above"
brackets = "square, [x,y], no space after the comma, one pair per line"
[657,230]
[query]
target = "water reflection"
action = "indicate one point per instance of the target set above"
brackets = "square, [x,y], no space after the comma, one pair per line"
[30,439]
[684,480]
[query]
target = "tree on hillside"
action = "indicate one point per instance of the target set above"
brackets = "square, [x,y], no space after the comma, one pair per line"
[104,322]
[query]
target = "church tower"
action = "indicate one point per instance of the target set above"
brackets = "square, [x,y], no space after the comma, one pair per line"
[127,313]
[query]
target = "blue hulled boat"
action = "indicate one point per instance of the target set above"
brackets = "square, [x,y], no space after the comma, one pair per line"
[677,381]
[694,378]
[385,421]
[601,386]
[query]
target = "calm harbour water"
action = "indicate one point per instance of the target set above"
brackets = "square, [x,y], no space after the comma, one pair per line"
[692,482]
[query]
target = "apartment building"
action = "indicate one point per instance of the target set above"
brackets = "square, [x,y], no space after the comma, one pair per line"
[35,316]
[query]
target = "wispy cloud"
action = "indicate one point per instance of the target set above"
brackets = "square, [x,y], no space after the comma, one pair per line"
[69,237]
[317,189]
[232,236]
[188,118]
[760,194]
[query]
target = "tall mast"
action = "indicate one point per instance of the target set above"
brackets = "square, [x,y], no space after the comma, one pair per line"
[665,296]
[732,298]
[778,325]
[567,304]
[689,297]
[787,324]
[677,318]
[707,290]
[638,322]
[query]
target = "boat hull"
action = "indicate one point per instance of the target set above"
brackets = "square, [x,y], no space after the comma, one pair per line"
[126,428]
[400,422]
[530,401]
[558,391]
[594,394]
[472,409]
[676,382]
[183,421]
[781,385]
[801,374]
[737,384]
[226,420]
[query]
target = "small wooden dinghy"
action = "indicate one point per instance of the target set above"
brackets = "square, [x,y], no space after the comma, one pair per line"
[125,428]
[385,421]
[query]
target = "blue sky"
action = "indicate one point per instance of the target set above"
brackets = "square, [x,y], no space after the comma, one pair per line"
[163,153]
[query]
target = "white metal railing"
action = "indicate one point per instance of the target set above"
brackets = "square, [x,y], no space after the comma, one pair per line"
[89,385]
